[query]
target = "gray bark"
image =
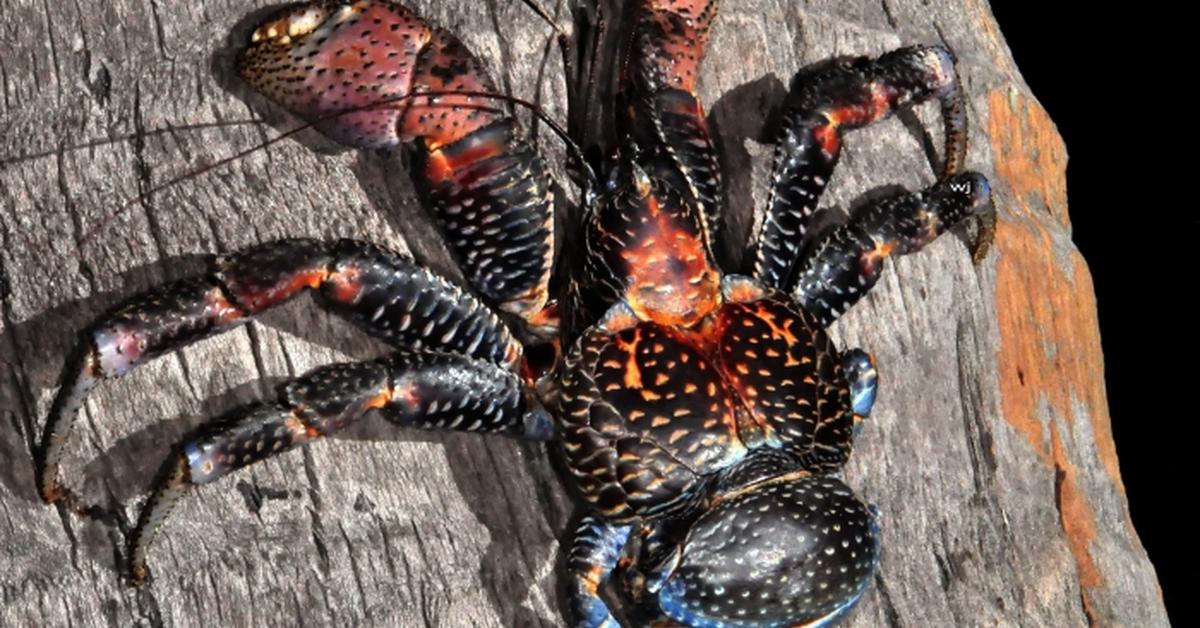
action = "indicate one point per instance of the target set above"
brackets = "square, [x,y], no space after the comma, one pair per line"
[989,453]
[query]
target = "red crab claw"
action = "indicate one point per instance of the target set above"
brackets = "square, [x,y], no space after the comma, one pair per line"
[356,70]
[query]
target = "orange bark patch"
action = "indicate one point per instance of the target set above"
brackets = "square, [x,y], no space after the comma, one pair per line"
[1049,335]
[1030,156]
[1050,356]
[1078,521]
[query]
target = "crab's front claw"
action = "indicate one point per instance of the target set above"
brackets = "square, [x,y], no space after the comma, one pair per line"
[371,74]
[787,551]
[353,68]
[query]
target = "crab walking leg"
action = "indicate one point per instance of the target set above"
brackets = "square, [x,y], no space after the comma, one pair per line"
[424,390]
[848,263]
[859,367]
[848,95]
[594,553]
[668,45]
[381,292]
[355,68]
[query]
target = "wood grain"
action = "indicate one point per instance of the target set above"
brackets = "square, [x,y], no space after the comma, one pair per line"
[989,455]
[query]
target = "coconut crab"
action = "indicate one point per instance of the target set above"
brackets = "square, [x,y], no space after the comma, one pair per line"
[646,282]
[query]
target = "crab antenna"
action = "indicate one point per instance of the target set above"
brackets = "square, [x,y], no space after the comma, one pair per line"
[537,8]
[200,126]
[536,110]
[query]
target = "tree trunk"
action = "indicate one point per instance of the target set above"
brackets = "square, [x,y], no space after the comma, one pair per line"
[989,455]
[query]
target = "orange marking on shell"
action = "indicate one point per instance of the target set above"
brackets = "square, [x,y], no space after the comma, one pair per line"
[779,331]
[548,317]
[855,115]
[863,113]
[277,293]
[299,430]
[633,372]
[744,291]
[870,261]
[593,577]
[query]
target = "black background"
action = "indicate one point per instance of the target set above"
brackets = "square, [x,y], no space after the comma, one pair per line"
[1127,122]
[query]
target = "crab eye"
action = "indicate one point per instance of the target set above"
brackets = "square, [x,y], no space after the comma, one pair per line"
[799,551]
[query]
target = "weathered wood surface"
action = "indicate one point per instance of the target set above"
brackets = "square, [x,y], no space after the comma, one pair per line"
[989,454]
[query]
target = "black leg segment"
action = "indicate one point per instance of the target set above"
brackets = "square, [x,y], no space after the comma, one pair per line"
[594,554]
[381,292]
[425,390]
[846,95]
[848,263]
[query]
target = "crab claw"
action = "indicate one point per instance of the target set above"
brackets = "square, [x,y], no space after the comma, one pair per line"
[352,68]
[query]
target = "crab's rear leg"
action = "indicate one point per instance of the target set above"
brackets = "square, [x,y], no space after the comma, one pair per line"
[383,293]
[356,70]
[595,550]
[846,95]
[425,390]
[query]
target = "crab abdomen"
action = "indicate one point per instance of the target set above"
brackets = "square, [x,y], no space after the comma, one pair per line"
[797,550]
